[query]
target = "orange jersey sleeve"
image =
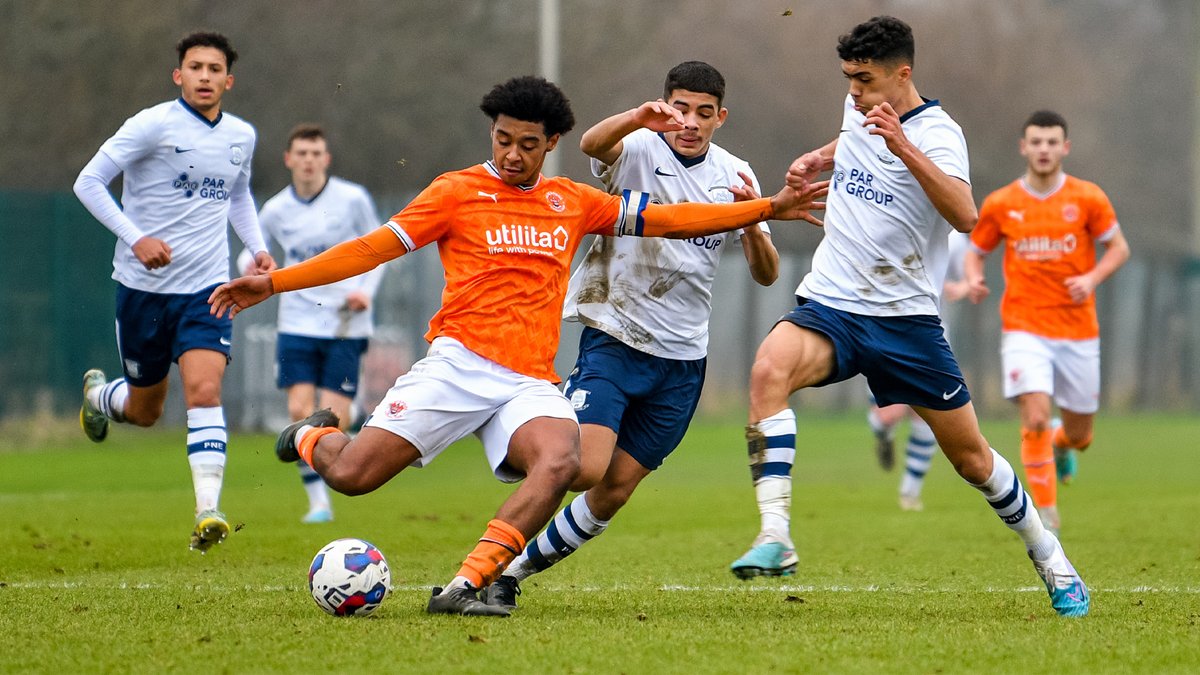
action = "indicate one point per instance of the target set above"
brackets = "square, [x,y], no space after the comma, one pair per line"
[1048,239]
[345,260]
[506,253]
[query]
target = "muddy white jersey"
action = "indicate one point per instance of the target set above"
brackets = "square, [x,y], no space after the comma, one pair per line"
[180,171]
[342,210]
[655,294]
[884,252]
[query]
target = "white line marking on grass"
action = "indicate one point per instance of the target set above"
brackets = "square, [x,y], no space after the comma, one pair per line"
[668,588]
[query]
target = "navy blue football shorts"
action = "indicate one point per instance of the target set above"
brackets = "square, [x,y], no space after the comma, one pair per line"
[327,363]
[154,329]
[905,359]
[647,400]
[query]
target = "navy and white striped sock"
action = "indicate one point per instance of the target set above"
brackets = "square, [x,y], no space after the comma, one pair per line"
[573,527]
[206,439]
[110,399]
[1011,502]
[772,447]
[314,486]
[918,456]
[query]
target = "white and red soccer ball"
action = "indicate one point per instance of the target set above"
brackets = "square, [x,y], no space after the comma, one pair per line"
[349,577]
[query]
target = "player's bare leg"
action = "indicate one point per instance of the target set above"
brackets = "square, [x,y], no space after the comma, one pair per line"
[302,401]
[1073,432]
[957,432]
[201,371]
[597,443]
[790,358]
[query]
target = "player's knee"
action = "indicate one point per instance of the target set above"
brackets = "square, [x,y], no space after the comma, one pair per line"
[559,470]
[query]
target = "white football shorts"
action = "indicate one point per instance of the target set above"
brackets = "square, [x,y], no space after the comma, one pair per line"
[1068,370]
[453,392]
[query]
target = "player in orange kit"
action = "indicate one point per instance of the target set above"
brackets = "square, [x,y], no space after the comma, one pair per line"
[1051,342]
[506,236]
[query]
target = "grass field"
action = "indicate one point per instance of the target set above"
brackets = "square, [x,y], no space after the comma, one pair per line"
[95,575]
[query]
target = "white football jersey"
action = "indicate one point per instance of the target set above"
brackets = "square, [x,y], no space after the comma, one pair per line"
[655,294]
[179,170]
[304,228]
[885,247]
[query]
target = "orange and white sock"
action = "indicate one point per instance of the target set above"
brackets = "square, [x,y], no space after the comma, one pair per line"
[1037,454]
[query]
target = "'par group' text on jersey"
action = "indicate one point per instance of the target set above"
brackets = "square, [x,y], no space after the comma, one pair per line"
[342,210]
[179,171]
[655,295]
[884,252]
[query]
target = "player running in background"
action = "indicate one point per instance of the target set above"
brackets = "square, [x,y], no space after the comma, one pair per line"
[323,331]
[506,236]
[1050,346]
[869,305]
[921,445]
[186,174]
[645,306]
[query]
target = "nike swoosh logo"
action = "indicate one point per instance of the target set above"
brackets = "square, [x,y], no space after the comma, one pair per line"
[179,149]
[226,343]
[842,131]
[947,397]
[659,172]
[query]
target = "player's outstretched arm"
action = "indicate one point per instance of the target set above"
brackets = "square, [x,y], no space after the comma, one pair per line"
[604,140]
[347,259]
[761,255]
[805,168]
[686,220]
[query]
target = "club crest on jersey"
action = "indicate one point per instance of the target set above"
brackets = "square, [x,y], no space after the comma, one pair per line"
[396,410]
[579,399]
[133,368]
[1070,213]
[235,155]
[556,201]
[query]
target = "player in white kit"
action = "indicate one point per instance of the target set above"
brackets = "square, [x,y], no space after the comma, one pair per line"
[186,174]
[323,331]
[645,307]
[869,305]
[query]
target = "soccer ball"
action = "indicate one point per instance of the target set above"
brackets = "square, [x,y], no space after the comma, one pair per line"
[349,577]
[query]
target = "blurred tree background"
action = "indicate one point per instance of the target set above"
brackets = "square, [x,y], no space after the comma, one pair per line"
[397,85]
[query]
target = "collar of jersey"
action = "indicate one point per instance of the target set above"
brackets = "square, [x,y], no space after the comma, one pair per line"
[1062,180]
[687,162]
[302,200]
[919,109]
[199,116]
[491,167]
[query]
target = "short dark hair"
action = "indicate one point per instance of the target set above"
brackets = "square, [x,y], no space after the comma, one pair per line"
[695,76]
[879,39]
[206,39]
[306,131]
[1045,118]
[531,99]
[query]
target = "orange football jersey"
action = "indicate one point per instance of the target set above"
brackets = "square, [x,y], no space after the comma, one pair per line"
[506,253]
[1049,238]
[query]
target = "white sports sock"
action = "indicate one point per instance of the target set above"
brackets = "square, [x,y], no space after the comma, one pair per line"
[772,447]
[918,456]
[206,439]
[877,425]
[573,527]
[1008,499]
[110,399]
[314,486]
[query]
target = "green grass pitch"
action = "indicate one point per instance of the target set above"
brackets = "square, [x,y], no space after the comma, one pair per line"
[95,575]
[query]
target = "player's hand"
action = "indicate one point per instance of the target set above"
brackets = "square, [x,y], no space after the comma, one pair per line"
[357,301]
[792,204]
[977,290]
[152,253]
[804,170]
[744,193]
[658,116]
[882,120]
[239,294]
[1080,287]
[263,263]
[953,291]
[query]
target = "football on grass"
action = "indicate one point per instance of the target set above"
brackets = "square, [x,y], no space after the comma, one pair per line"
[349,577]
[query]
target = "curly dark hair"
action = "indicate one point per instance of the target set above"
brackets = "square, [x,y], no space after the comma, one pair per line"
[695,76]
[882,38]
[531,99]
[1046,118]
[206,39]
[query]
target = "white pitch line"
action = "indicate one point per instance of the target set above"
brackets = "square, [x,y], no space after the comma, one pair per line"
[670,588]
